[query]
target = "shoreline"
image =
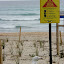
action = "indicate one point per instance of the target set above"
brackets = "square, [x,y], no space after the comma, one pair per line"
[25,36]
[29,36]
[26,33]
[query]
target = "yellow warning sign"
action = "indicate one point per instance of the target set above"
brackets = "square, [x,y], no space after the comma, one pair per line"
[49,11]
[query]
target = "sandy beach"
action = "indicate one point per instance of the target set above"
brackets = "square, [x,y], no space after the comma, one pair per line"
[31,44]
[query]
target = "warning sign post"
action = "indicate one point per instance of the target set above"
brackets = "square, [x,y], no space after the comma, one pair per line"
[49,13]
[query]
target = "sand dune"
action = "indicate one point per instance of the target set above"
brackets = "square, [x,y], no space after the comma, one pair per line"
[31,44]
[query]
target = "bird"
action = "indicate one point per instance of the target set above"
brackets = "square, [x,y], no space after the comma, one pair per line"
[35,59]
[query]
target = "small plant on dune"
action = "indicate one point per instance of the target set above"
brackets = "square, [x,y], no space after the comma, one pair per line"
[17,44]
[43,46]
[3,44]
[7,40]
[34,44]
[31,55]
[44,43]
[3,56]
[19,52]
[17,60]
[11,50]
[61,54]
[21,43]
[36,51]
[40,44]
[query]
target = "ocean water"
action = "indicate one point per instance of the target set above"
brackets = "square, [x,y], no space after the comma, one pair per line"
[24,14]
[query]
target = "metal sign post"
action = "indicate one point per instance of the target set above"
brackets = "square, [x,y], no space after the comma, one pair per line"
[50,46]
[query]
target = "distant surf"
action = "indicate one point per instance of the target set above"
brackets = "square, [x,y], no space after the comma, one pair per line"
[26,15]
[22,19]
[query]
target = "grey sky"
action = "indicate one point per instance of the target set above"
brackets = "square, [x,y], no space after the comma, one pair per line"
[24,0]
[18,0]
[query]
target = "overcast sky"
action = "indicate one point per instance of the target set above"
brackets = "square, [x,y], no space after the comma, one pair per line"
[22,0]
[19,0]
[26,0]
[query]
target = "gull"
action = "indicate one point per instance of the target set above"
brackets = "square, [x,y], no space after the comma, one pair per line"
[35,59]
